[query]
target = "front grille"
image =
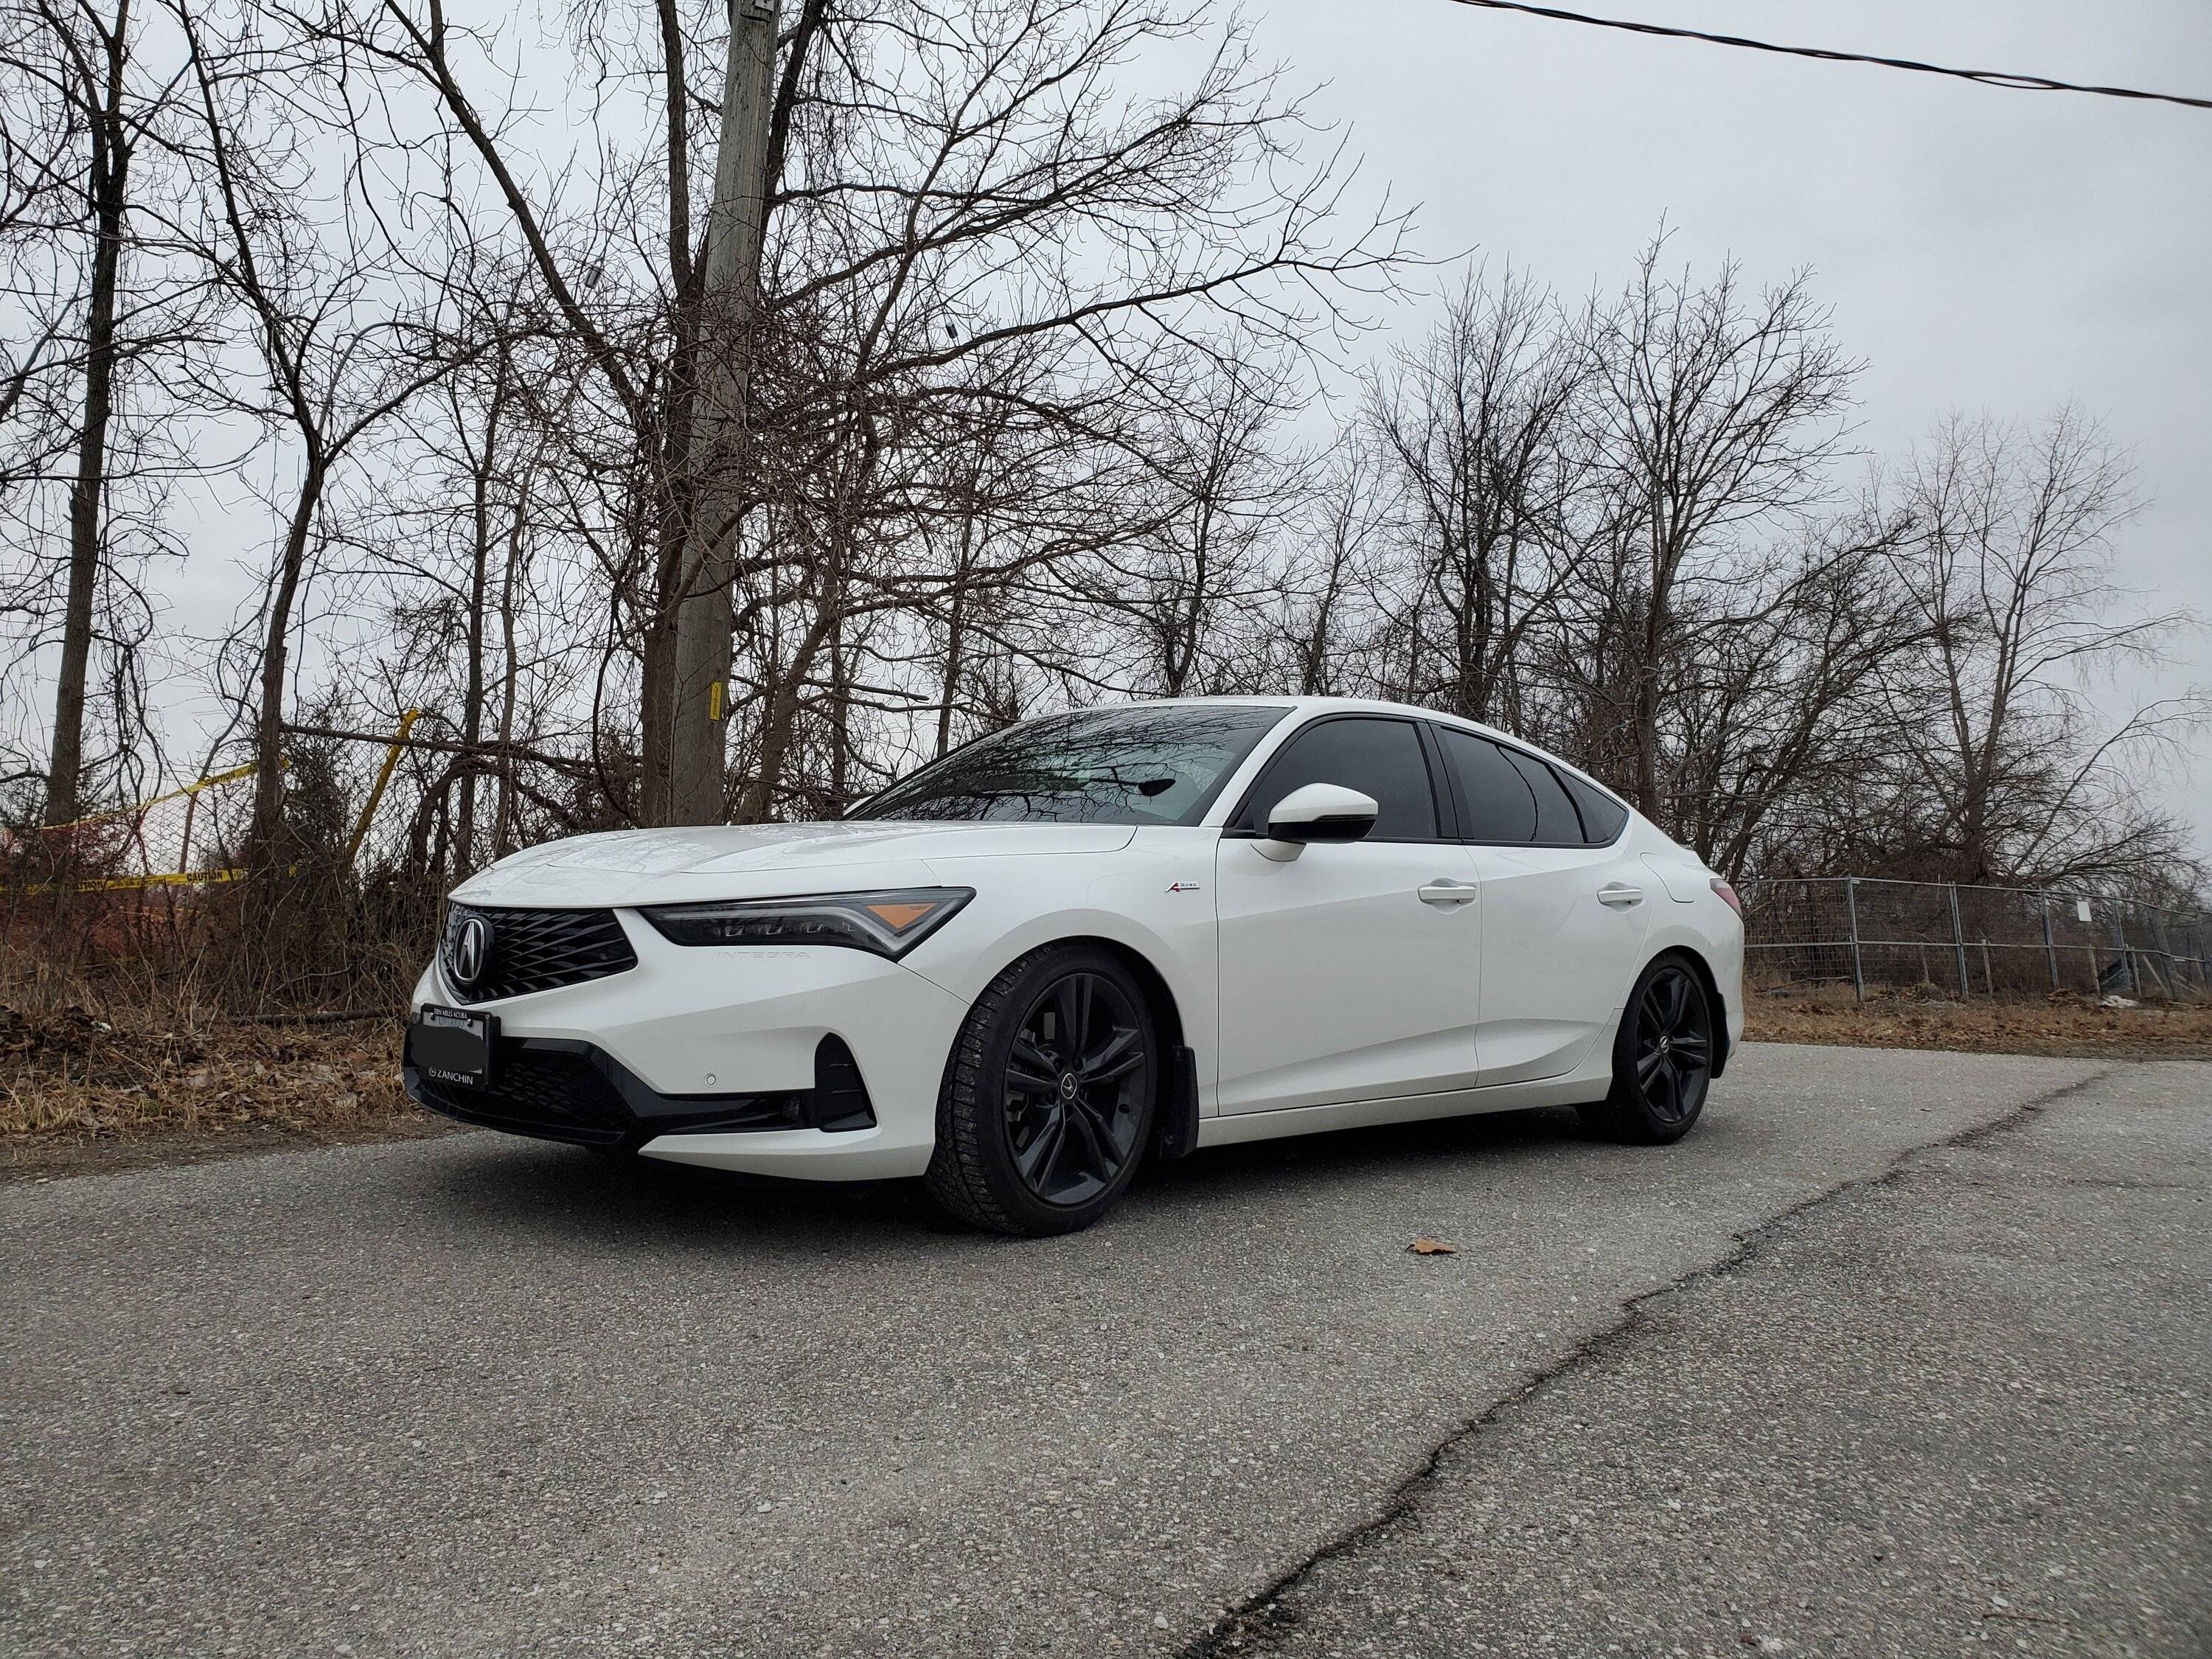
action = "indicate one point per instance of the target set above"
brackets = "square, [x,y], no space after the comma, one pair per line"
[562,1095]
[538,951]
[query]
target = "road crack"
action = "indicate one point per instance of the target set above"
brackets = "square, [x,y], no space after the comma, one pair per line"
[1262,1620]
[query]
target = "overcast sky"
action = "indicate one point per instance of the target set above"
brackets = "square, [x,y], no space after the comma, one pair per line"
[1983,250]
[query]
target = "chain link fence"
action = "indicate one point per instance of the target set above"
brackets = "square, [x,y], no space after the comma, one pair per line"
[1972,941]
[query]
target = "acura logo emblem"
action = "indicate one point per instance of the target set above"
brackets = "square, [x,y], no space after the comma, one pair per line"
[471,951]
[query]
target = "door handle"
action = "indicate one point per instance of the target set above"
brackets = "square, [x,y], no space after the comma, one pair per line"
[1620,895]
[1448,891]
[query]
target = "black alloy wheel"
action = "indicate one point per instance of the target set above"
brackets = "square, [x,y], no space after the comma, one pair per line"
[1673,1045]
[1662,1058]
[1049,1094]
[1075,1088]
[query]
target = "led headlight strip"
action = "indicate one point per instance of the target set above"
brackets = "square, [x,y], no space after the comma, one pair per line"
[890,922]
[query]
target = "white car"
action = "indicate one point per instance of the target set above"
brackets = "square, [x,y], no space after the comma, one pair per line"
[1092,937]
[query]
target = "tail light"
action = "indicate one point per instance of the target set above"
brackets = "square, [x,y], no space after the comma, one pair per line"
[1727,894]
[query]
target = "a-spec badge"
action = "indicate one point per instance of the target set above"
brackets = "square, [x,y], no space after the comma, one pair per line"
[1184,887]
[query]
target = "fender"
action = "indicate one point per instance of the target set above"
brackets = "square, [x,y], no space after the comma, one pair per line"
[1124,898]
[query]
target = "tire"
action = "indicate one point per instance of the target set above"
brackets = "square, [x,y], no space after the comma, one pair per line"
[1662,1058]
[1048,1096]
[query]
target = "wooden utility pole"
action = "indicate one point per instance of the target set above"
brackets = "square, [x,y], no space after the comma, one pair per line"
[729,304]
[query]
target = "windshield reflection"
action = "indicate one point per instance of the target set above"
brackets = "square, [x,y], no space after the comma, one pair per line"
[1143,763]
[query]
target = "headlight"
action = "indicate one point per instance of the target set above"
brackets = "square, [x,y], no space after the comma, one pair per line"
[888,923]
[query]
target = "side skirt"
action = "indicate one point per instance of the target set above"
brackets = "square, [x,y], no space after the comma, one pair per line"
[1570,1090]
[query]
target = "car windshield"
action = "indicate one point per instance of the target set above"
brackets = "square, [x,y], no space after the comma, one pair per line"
[1147,763]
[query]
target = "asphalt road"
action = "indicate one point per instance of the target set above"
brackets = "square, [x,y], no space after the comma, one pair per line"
[1900,1354]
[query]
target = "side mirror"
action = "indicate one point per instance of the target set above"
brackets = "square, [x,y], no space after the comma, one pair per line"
[1319,811]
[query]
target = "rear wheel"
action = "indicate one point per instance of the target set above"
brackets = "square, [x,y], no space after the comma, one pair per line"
[1662,1058]
[1048,1097]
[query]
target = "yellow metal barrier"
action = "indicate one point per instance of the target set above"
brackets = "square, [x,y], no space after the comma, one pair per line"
[383,778]
[207,877]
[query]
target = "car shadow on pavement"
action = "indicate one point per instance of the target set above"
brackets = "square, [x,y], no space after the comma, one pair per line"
[577,1195]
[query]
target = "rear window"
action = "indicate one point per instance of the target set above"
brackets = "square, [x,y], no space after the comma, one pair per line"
[1496,803]
[1603,817]
[1558,824]
[1517,800]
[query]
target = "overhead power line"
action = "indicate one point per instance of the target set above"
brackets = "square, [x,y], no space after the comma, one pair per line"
[1981,77]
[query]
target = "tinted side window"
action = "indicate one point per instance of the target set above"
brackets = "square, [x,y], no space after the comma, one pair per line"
[1377,758]
[1495,801]
[1557,825]
[1602,815]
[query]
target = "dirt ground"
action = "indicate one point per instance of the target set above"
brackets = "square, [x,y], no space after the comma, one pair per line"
[87,1092]
[84,1090]
[2064,1026]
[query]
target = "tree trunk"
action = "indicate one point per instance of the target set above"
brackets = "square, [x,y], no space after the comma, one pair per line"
[510,674]
[473,695]
[264,836]
[1646,717]
[956,643]
[779,718]
[110,165]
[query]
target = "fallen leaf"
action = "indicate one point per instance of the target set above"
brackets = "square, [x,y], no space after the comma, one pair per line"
[1432,1247]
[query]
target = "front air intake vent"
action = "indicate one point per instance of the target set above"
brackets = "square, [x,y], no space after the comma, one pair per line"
[488,955]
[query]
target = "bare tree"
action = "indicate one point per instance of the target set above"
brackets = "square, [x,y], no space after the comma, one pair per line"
[1190,588]
[97,301]
[946,183]
[1480,425]
[1329,624]
[1785,708]
[339,347]
[2011,574]
[95,51]
[455,549]
[1718,411]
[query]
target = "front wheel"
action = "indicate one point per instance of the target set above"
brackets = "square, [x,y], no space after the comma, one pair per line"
[1662,1058]
[1048,1099]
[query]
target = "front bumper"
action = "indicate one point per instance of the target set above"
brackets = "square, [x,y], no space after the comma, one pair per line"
[727,1056]
[558,1089]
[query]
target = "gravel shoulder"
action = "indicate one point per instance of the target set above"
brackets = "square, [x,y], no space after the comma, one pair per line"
[469,1395]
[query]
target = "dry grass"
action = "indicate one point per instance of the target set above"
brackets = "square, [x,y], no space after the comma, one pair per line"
[77,1077]
[2066,1026]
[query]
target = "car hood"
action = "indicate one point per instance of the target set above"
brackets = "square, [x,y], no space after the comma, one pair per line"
[669,867]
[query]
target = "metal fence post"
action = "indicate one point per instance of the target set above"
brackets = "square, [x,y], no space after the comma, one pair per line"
[2120,938]
[2050,946]
[1958,941]
[1851,906]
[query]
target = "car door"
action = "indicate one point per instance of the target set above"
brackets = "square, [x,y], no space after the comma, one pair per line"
[1350,972]
[1564,909]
